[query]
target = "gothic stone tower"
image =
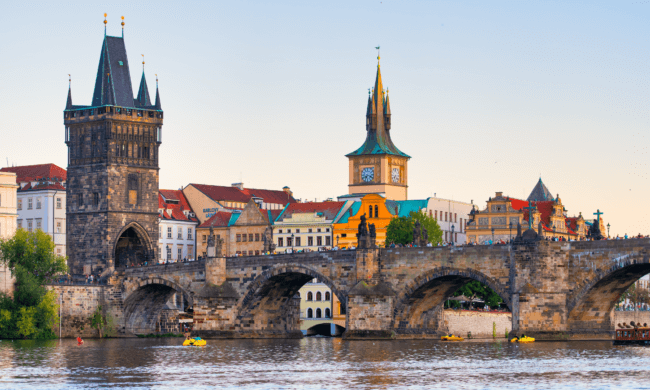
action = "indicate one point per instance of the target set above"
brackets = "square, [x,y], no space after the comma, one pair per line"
[378,166]
[112,192]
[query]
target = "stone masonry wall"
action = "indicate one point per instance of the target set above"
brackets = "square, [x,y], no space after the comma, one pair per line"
[460,322]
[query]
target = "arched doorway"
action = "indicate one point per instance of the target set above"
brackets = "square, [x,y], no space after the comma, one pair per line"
[132,247]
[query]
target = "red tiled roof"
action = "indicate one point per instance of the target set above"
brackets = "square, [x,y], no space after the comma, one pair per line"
[42,187]
[274,215]
[177,208]
[219,219]
[36,172]
[234,194]
[329,209]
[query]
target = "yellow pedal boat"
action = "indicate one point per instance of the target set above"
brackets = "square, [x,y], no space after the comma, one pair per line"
[524,339]
[451,337]
[195,342]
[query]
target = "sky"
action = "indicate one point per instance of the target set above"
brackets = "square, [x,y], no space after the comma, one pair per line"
[485,96]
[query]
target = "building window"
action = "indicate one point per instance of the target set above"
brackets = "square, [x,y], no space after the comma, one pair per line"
[39,224]
[29,225]
[327,295]
[327,230]
[257,236]
[297,230]
[310,240]
[250,253]
[288,231]
[319,241]
[38,203]
[244,237]
[189,233]
[20,223]
[58,251]
[250,237]
[180,253]
[238,237]
[318,230]
[180,232]
[205,238]
[169,232]
[29,203]
[280,242]
[319,296]
[20,204]
[160,232]
[280,231]
[58,227]
[133,189]
[376,211]
[319,313]
[455,217]
[96,199]
[327,241]
[327,313]
[310,313]
[310,296]
[309,231]
[80,200]
[297,241]
[289,241]
[370,211]
[257,253]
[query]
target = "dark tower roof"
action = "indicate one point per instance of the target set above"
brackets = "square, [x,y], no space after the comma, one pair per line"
[378,125]
[157,106]
[143,93]
[540,193]
[68,104]
[113,82]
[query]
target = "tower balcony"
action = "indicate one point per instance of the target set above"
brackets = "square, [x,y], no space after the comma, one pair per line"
[91,114]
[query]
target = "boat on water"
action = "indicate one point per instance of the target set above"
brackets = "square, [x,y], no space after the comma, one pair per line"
[522,339]
[632,334]
[194,342]
[451,337]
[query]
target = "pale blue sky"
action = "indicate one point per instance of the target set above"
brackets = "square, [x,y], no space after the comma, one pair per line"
[486,96]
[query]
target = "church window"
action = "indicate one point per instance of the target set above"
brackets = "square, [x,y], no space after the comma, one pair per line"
[139,113]
[159,135]
[133,189]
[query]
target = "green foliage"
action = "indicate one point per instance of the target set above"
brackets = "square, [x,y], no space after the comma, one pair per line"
[506,333]
[33,310]
[400,229]
[635,295]
[494,330]
[476,289]
[104,323]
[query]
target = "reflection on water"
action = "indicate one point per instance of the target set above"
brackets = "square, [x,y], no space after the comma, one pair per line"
[321,363]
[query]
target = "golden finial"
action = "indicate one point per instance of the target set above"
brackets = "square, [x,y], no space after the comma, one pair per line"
[156,80]
[122,21]
[69,80]
[105,19]
[142,61]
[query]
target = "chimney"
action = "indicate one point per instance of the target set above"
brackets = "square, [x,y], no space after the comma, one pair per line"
[287,190]
[239,185]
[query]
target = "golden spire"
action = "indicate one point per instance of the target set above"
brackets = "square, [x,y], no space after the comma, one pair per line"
[69,81]
[122,26]
[105,23]
[142,62]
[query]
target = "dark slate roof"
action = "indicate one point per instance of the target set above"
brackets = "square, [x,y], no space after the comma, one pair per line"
[68,104]
[540,193]
[157,106]
[113,82]
[143,99]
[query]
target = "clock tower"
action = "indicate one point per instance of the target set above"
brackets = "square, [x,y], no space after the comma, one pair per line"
[378,167]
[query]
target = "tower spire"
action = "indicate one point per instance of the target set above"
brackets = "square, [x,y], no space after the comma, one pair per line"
[68,104]
[105,23]
[157,106]
[122,26]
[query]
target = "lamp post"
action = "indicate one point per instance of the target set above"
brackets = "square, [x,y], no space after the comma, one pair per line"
[510,225]
[492,236]
[337,240]
[452,234]
[607,230]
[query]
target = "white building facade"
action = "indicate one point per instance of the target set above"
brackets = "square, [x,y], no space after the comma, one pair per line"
[452,217]
[177,224]
[41,201]
[8,222]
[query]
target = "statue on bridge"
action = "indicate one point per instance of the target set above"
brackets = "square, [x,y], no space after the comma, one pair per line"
[267,237]
[214,245]
[420,235]
[365,240]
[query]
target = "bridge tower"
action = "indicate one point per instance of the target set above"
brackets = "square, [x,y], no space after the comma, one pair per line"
[112,192]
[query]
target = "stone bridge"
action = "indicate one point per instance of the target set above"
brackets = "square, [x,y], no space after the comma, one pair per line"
[556,290]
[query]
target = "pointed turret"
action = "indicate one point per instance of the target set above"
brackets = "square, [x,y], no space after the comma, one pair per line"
[113,81]
[540,193]
[68,104]
[157,106]
[143,92]
[378,123]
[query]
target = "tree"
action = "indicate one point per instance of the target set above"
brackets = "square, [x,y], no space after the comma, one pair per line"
[400,229]
[476,289]
[33,311]
[635,294]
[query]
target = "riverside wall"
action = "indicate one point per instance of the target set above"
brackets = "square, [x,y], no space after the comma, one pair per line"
[627,316]
[461,322]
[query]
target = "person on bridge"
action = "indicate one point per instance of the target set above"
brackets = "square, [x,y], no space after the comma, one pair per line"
[80,341]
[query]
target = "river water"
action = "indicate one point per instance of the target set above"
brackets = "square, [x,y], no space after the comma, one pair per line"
[321,363]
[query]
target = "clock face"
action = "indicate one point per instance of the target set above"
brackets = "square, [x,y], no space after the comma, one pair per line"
[367,174]
[395,175]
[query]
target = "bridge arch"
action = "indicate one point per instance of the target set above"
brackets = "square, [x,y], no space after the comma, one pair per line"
[132,246]
[418,307]
[269,308]
[589,308]
[145,301]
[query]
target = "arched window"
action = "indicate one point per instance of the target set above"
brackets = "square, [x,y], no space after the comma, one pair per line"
[370,211]
[319,313]
[310,313]
[319,297]
[327,312]
[310,297]
[376,211]
[327,295]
